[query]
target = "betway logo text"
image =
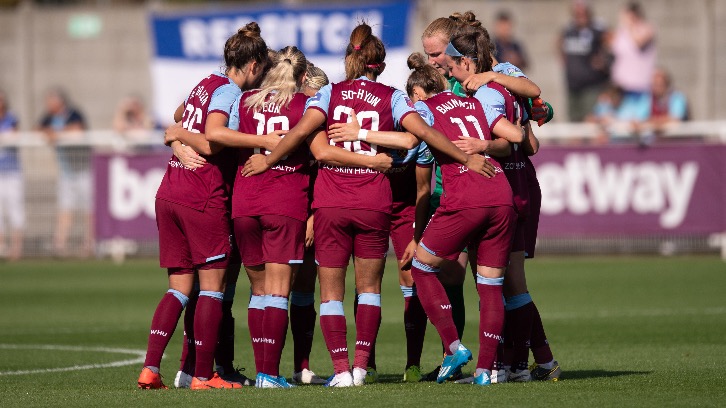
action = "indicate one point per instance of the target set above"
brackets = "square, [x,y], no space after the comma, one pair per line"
[582,184]
[131,192]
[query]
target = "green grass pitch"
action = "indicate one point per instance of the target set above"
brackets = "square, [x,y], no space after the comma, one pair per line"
[634,331]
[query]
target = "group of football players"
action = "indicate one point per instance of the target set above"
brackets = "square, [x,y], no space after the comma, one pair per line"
[279,171]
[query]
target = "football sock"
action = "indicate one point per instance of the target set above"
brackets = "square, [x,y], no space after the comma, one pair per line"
[206,330]
[434,300]
[163,325]
[274,328]
[255,314]
[519,315]
[333,326]
[455,293]
[414,321]
[188,356]
[538,339]
[366,326]
[491,319]
[372,354]
[302,325]
[224,356]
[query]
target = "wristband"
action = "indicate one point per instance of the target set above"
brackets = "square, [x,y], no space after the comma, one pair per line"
[362,134]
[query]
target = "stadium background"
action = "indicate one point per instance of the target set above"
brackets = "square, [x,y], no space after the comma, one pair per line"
[101,52]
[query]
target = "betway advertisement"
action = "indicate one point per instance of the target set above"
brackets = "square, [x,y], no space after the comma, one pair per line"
[616,190]
[189,46]
[586,192]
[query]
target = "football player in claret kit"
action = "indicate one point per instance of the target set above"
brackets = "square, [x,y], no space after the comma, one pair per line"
[410,179]
[192,200]
[474,211]
[353,206]
[523,324]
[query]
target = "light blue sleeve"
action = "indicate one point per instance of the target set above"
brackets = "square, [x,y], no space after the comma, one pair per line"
[321,100]
[507,68]
[424,156]
[492,115]
[678,106]
[233,122]
[401,106]
[425,112]
[492,98]
[223,98]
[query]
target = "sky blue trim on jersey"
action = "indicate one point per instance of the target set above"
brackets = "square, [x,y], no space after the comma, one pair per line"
[370,299]
[494,100]
[517,301]
[233,122]
[278,302]
[229,292]
[183,299]
[332,308]
[215,258]
[489,281]
[423,155]
[302,298]
[408,291]
[424,267]
[212,294]
[427,249]
[321,100]
[224,96]
[425,113]
[507,68]
[401,106]
[257,302]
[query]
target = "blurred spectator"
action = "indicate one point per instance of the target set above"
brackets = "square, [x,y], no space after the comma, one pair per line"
[621,118]
[583,49]
[634,52]
[508,49]
[12,205]
[131,118]
[63,127]
[666,105]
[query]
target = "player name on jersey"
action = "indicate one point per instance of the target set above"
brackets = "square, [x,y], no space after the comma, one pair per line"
[455,103]
[361,94]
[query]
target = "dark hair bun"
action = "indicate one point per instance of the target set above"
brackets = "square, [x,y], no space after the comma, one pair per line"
[252,29]
[416,61]
[467,18]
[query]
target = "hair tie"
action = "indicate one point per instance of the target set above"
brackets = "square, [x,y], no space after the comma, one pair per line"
[373,65]
[356,47]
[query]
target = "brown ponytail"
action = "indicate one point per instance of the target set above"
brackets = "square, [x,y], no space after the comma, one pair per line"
[424,75]
[365,53]
[474,43]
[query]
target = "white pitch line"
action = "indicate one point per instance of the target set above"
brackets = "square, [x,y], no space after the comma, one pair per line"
[141,354]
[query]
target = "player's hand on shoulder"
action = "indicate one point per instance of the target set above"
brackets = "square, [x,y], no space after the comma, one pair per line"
[481,165]
[476,81]
[256,164]
[345,132]
[381,162]
[471,145]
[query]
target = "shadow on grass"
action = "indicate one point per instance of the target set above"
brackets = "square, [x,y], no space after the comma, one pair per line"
[586,374]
